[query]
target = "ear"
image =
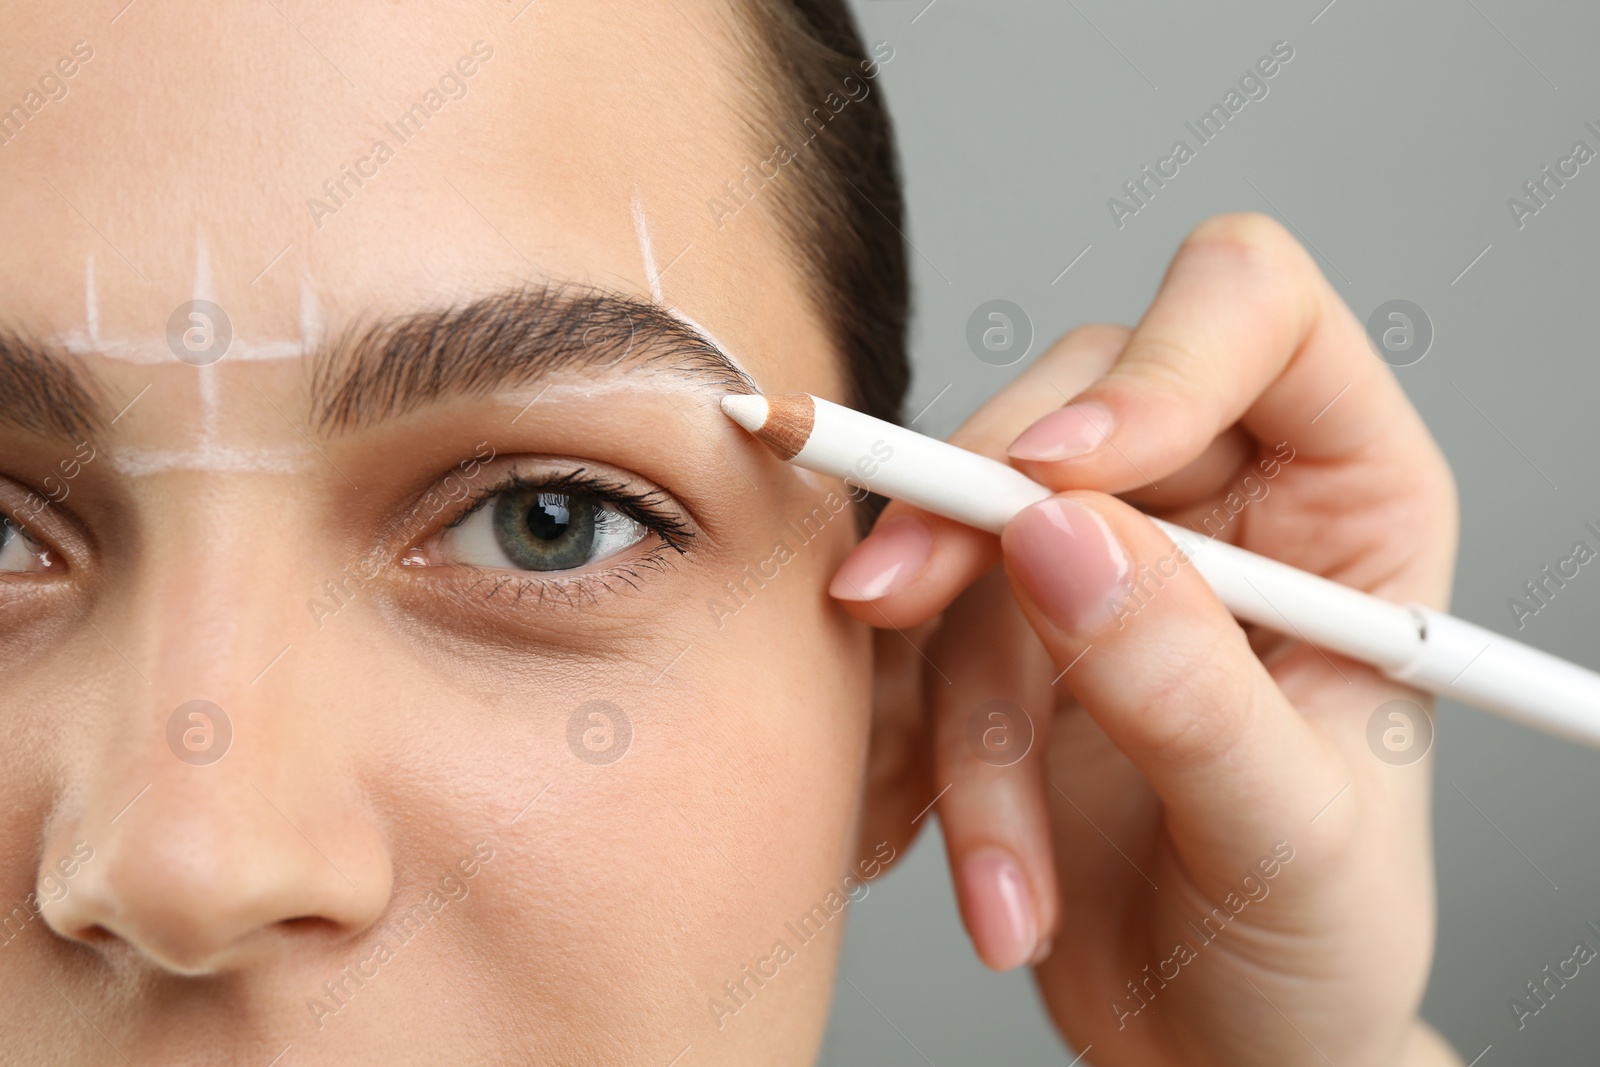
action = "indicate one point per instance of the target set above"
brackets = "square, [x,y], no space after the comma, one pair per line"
[899,786]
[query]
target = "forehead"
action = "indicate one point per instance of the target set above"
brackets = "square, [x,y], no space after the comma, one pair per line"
[299,164]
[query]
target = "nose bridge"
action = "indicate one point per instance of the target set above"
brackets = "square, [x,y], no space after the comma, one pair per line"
[217,810]
[215,617]
[215,606]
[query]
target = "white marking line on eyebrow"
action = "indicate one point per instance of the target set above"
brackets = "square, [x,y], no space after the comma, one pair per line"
[641,229]
[260,350]
[695,325]
[156,351]
[139,462]
[530,404]
[599,388]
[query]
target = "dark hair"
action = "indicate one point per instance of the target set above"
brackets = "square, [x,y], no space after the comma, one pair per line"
[840,204]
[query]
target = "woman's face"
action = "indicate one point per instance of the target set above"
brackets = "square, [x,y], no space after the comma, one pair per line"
[457,687]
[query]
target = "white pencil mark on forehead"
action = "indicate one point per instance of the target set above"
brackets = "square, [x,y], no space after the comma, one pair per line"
[154,351]
[209,450]
[210,387]
[91,302]
[641,230]
[647,256]
[202,289]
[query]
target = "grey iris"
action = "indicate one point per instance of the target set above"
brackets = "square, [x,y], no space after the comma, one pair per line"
[543,531]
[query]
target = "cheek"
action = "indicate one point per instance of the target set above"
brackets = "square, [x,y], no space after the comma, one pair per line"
[699,788]
[661,875]
[730,815]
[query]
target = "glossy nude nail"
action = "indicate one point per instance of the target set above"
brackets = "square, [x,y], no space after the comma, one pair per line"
[1075,430]
[999,909]
[886,562]
[1070,563]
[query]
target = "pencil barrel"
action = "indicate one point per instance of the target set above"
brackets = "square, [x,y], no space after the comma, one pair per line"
[1490,671]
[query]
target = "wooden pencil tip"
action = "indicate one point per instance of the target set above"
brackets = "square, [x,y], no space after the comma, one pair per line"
[782,423]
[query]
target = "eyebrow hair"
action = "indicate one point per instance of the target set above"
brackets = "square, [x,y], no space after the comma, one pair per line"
[46,391]
[509,338]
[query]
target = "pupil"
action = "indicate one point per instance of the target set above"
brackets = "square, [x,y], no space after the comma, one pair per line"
[548,518]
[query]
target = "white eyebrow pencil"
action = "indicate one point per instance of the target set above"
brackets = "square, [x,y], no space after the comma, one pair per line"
[1416,645]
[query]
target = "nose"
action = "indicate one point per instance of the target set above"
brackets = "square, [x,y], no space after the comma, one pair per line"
[229,817]
[204,869]
[206,865]
[224,828]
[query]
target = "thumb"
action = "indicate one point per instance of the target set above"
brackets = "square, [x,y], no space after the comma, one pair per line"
[1164,669]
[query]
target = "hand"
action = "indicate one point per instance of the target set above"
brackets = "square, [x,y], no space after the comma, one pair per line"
[1199,852]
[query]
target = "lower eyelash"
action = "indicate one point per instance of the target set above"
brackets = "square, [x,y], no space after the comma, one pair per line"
[512,587]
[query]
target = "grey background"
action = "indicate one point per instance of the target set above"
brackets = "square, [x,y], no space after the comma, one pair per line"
[1390,143]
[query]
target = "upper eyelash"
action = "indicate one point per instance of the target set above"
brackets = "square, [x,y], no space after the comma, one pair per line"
[647,508]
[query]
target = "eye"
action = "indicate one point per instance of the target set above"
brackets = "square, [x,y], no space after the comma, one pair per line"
[21,554]
[540,528]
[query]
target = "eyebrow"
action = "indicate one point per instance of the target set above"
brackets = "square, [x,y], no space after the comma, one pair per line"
[502,341]
[398,364]
[46,391]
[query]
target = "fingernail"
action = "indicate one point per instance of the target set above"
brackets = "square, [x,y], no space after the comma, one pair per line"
[886,562]
[999,909]
[1042,953]
[1070,563]
[1075,430]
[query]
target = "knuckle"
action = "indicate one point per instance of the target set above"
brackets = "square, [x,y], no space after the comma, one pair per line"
[1251,256]
[1248,235]
[1199,711]
[1167,366]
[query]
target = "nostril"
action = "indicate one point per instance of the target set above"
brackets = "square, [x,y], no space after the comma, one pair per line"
[200,881]
[94,935]
[310,924]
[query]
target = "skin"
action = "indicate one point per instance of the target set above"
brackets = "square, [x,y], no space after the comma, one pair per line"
[382,752]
